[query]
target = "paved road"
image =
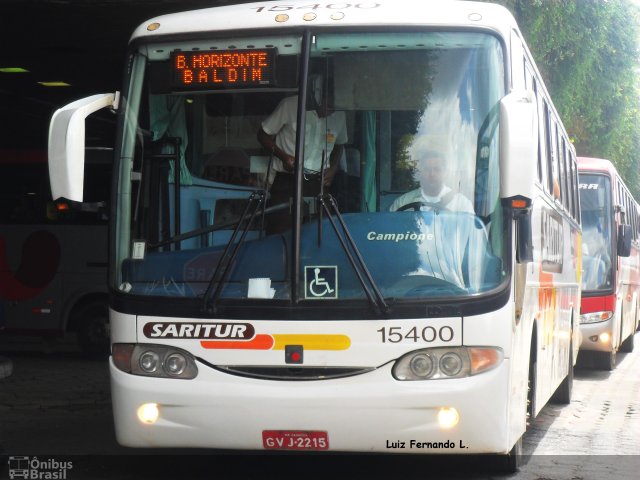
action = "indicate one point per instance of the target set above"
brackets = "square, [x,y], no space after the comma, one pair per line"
[602,419]
[56,405]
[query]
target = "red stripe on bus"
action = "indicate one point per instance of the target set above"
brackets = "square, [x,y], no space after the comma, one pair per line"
[598,304]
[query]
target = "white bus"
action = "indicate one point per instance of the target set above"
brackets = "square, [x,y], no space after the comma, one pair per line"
[53,260]
[427,329]
[611,248]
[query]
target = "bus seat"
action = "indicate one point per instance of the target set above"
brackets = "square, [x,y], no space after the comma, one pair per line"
[229,165]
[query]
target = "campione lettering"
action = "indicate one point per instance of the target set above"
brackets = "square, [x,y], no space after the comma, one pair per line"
[399,237]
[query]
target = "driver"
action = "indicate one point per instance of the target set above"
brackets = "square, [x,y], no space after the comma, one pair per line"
[432,191]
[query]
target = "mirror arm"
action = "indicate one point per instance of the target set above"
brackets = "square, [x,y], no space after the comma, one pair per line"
[520,211]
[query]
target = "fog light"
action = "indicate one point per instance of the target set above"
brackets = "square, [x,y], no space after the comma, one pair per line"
[605,337]
[148,413]
[448,417]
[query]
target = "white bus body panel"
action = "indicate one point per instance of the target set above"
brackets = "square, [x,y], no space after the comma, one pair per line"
[382,13]
[360,413]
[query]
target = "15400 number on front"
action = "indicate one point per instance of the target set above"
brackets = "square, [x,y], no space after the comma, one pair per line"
[429,334]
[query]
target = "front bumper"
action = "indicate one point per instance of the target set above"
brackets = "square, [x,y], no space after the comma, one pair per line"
[591,333]
[371,412]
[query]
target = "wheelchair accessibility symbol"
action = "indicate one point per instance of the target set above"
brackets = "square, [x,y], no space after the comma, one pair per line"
[320,282]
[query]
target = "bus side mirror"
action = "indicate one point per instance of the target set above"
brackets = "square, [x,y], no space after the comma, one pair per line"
[518,144]
[624,240]
[518,163]
[66,144]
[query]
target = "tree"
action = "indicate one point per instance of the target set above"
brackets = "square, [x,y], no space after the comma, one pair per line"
[587,52]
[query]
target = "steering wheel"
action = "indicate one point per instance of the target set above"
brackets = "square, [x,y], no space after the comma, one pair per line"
[418,205]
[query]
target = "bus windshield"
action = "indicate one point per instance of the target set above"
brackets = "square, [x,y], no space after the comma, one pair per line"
[400,167]
[596,210]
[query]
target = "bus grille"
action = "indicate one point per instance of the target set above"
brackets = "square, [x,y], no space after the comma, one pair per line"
[293,373]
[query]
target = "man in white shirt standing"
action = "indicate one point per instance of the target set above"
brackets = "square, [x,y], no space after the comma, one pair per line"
[432,191]
[325,135]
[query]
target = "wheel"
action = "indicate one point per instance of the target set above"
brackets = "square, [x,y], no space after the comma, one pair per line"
[508,463]
[563,394]
[512,461]
[605,360]
[93,330]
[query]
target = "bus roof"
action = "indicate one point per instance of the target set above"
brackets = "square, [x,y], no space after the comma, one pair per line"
[301,13]
[596,164]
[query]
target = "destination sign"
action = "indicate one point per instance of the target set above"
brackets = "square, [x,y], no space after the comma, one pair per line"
[223,68]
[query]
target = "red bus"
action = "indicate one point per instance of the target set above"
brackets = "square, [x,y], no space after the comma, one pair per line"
[53,259]
[611,262]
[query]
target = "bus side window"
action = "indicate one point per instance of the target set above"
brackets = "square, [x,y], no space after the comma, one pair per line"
[548,148]
[531,83]
[564,168]
[24,194]
[555,162]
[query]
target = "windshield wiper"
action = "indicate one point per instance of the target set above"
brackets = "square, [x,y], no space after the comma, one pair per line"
[328,204]
[214,228]
[223,269]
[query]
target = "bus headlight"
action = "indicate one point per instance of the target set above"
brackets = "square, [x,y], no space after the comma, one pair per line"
[439,363]
[149,362]
[422,365]
[175,364]
[451,364]
[154,361]
[595,317]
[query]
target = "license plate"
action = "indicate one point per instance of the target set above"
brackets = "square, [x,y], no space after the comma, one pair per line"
[295,440]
